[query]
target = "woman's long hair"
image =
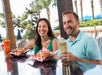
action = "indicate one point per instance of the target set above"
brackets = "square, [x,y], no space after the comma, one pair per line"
[50,32]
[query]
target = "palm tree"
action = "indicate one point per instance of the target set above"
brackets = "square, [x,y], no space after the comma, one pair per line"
[2,23]
[92,7]
[9,30]
[34,8]
[24,22]
[45,4]
[34,13]
[81,7]
[9,24]
[75,2]
[62,6]
[101,6]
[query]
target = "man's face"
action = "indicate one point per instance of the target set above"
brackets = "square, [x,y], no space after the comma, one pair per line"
[70,24]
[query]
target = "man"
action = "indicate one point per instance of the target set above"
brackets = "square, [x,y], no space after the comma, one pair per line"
[83,50]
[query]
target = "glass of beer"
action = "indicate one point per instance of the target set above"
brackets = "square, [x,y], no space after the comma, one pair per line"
[62,45]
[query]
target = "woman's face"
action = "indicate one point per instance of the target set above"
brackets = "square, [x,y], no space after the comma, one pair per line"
[42,28]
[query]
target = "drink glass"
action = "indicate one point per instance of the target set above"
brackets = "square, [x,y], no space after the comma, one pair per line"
[62,45]
[7,48]
[63,48]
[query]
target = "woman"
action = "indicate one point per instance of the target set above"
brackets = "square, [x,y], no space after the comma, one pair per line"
[44,37]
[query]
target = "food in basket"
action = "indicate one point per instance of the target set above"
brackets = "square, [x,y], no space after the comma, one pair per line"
[18,52]
[21,50]
[45,54]
[42,54]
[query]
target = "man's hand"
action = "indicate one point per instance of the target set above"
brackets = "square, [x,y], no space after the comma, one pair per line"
[67,58]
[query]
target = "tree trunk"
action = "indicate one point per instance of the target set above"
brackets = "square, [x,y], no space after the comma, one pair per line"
[48,14]
[8,23]
[9,30]
[101,7]
[81,8]
[92,7]
[75,2]
[62,6]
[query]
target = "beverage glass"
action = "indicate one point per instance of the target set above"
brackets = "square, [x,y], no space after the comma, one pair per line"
[7,48]
[63,48]
[62,45]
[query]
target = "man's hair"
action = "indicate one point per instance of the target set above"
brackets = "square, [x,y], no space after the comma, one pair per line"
[71,12]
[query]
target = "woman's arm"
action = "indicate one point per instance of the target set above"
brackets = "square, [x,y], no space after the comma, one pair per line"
[30,44]
[55,47]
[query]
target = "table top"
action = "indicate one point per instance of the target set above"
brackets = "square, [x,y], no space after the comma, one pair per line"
[22,66]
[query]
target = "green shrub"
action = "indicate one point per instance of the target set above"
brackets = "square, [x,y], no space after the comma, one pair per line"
[91,23]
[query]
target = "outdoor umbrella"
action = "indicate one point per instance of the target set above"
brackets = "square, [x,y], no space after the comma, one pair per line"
[19,35]
[86,18]
[98,16]
[1,38]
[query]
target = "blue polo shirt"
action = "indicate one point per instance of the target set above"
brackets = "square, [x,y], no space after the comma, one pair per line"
[84,47]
